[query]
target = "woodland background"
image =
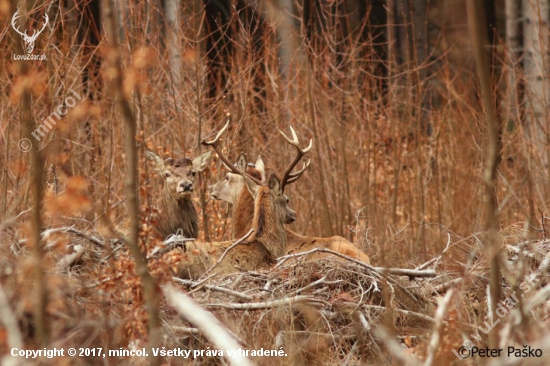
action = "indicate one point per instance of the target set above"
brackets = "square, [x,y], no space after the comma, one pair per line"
[387,90]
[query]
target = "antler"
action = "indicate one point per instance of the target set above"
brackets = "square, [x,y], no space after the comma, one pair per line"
[16,28]
[290,177]
[215,144]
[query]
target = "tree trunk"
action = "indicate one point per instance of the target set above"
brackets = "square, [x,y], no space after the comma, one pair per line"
[171,10]
[513,45]
[535,43]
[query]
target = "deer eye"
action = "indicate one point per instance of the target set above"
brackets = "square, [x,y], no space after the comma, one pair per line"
[193,173]
[167,175]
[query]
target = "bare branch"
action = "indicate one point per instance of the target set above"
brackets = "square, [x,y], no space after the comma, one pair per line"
[223,290]
[289,301]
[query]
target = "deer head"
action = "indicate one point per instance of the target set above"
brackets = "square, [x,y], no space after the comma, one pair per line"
[179,175]
[29,40]
[229,188]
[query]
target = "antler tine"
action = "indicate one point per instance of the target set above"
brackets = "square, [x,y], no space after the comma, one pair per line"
[288,176]
[215,144]
[295,142]
[293,177]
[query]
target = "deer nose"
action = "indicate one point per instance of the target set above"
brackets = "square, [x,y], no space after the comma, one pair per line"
[186,186]
[291,216]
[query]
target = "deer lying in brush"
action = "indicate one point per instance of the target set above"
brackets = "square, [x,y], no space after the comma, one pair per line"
[176,211]
[232,189]
[261,248]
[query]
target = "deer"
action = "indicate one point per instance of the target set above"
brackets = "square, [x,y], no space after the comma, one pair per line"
[260,249]
[232,189]
[29,40]
[176,211]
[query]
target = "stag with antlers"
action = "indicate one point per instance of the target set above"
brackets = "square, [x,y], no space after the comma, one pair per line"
[233,190]
[29,40]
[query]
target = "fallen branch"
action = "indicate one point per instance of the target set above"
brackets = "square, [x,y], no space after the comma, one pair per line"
[214,288]
[411,273]
[289,301]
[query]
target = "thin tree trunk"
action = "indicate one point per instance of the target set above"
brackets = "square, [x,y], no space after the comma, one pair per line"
[535,43]
[150,293]
[478,34]
[37,167]
[513,46]
[171,10]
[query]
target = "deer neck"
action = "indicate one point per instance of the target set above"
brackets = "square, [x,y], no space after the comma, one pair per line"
[268,227]
[242,213]
[176,214]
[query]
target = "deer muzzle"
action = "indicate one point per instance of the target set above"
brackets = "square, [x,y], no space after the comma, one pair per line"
[185,187]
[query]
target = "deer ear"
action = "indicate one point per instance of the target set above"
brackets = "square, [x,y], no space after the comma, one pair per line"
[159,163]
[241,163]
[260,167]
[253,188]
[274,183]
[201,162]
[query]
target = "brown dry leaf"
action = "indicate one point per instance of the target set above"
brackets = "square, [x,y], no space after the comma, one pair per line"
[143,57]
[4,13]
[189,56]
[77,114]
[73,200]
[18,167]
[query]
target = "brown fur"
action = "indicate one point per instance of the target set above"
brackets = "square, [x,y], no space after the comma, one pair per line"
[176,214]
[243,210]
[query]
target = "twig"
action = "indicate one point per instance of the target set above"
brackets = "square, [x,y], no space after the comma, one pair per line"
[439,315]
[406,312]
[207,324]
[215,288]
[272,304]
[542,224]
[82,234]
[8,318]
[185,330]
[436,260]
[322,281]
[9,222]
[227,251]
[444,286]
